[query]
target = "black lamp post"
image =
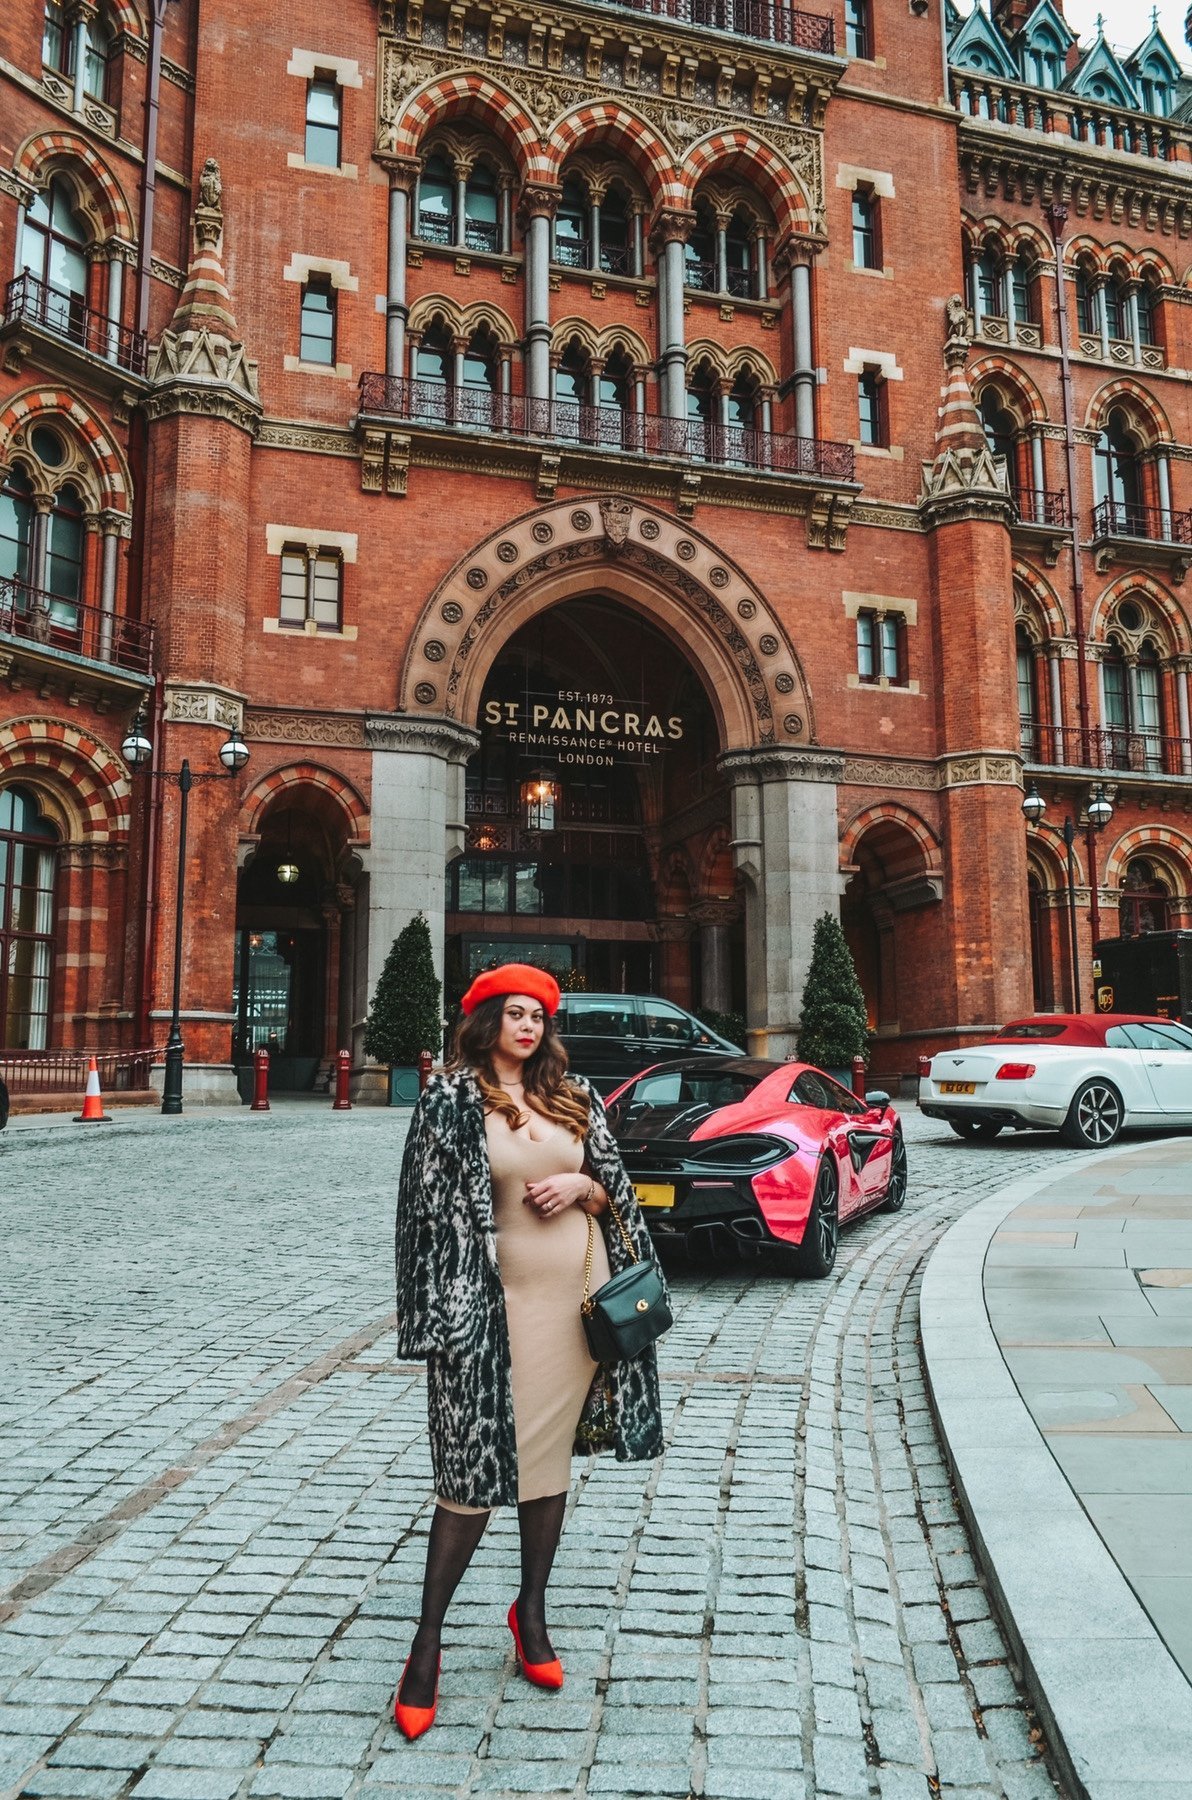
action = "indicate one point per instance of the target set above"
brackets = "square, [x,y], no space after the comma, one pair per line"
[233,754]
[1100,812]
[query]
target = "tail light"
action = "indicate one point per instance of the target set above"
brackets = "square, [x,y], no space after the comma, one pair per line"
[924,1067]
[1015,1072]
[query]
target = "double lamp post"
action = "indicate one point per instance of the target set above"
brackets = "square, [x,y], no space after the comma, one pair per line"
[1100,811]
[137,751]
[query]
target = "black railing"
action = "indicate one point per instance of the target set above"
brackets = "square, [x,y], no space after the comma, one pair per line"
[1159,524]
[433,228]
[1107,747]
[55,623]
[603,427]
[65,315]
[482,234]
[616,259]
[1041,506]
[572,253]
[479,234]
[764,20]
[700,275]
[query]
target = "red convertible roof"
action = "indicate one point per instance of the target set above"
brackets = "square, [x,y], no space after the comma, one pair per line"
[1070,1028]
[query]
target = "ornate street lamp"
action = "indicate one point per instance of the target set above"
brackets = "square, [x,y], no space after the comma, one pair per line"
[136,751]
[541,796]
[1100,811]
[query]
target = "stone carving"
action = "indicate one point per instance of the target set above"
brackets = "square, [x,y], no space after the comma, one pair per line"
[767,644]
[681,128]
[208,216]
[685,549]
[541,532]
[433,650]
[784,683]
[425,693]
[336,729]
[860,771]
[326,440]
[650,529]
[956,314]
[581,520]
[476,578]
[507,552]
[616,516]
[204,706]
[451,612]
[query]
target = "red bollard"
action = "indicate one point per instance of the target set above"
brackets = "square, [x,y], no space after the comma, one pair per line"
[260,1081]
[343,1073]
[426,1063]
[859,1077]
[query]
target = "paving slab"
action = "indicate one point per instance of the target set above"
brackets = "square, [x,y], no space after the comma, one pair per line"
[1073,1457]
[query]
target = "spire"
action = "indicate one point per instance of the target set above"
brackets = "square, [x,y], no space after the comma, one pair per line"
[964,468]
[199,364]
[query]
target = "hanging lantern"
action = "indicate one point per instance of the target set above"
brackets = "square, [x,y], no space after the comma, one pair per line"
[287,868]
[541,796]
[287,872]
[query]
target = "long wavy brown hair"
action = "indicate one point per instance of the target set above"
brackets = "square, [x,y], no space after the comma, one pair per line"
[544,1077]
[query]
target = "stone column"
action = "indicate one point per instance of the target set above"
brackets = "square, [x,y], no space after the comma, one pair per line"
[669,236]
[1133,322]
[1163,478]
[83,18]
[786,847]
[796,254]
[112,524]
[1055,685]
[403,176]
[715,920]
[115,301]
[722,224]
[417,828]
[538,207]
[1037,476]
[1183,664]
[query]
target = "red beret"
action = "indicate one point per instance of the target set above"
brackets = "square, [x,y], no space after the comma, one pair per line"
[513,978]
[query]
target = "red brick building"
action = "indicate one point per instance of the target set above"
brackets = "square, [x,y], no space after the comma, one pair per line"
[632,475]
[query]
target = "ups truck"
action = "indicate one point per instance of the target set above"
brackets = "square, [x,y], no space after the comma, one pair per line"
[1148,974]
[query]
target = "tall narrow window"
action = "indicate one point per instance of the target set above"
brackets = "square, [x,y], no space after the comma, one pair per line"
[615,251]
[53,251]
[699,252]
[880,648]
[572,248]
[857,33]
[56,39]
[96,55]
[28,863]
[871,406]
[64,557]
[16,526]
[1115,679]
[866,647]
[738,257]
[1118,475]
[323,122]
[866,249]
[481,210]
[1147,333]
[1115,309]
[311,589]
[436,202]
[317,341]
[1022,271]
[1028,697]
[1087,307]
[1148,710]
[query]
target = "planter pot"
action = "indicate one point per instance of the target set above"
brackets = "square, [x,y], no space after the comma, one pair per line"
[403,1085]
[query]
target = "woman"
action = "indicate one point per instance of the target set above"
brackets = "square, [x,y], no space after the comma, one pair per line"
[507,1159]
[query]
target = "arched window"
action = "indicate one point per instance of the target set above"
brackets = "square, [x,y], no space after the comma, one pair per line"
[1133,699]
[17,520]
[699,252]
[738,255]
[64,557]
[1145,903]
[1087,306]
[434,358]
[702,395]
[616,234]
[436,201]
[572,247]
[56,39]
[1118,474]
[985,282]
[28,863]
[482,223]
[53,251]
[1116,312]
[1148,709]
[1028,695]
[1148,306]
[1022,276]
[741,403]
[573,391]
[1001,428]
[1042,974]
[480,362]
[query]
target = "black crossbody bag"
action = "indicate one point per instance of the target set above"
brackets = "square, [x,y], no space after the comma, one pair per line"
[630,1311]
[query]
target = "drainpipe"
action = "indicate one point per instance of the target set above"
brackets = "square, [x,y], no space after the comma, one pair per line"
[1057,218]
[157,19]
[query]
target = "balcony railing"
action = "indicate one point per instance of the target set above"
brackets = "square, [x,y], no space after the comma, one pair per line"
[704,278]
[53,623]
[479,234]
[1157,524]
[1107,747]
[66,317]
[986,97]
[764,20]
[603,428]
[1041,506]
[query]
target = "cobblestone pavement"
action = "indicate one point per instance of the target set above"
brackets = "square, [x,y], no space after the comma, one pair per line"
[213,1502]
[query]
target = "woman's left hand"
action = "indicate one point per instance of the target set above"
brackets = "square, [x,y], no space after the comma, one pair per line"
[547,1198]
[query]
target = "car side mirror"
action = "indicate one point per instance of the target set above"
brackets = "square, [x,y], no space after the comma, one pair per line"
[877,1099]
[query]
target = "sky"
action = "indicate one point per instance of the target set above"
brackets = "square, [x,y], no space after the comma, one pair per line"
[1127,22]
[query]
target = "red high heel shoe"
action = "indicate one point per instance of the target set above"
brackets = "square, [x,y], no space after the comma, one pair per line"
[412,1721]
[543,1675]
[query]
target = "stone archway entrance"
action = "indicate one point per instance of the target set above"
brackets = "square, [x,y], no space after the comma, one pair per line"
[779,835]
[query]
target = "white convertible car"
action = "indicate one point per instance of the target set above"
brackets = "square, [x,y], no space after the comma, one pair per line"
[1087,1075]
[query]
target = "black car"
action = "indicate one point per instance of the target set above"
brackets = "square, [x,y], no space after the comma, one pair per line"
[609,1037]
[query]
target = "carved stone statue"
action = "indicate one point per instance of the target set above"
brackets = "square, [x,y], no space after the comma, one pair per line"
[208,213]
[210,185]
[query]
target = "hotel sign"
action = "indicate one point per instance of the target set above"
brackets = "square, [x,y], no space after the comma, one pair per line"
[582,727]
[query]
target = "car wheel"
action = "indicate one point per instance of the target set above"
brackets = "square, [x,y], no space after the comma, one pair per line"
[975,1131]
[816,1255]
[1095,1116]
[895,1198]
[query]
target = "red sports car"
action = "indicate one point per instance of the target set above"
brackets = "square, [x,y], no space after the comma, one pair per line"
[736,1154]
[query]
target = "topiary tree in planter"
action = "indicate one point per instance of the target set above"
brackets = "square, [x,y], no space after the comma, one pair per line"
[834,1026]
[406,1013]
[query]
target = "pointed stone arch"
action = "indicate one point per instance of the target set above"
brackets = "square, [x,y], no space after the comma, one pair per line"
[1136,584]
[98,191]
[85,778]
[108,463]
[631,552]
[762,166]
[889,812]
[473,96]
[611,122]
[1044,597]
[1169,848]
[270,787]
[1001,372]
[1143,404]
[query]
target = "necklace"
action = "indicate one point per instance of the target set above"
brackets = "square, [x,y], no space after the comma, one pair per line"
[510,1085]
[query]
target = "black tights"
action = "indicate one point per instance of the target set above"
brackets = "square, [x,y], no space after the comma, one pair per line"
[452,1544]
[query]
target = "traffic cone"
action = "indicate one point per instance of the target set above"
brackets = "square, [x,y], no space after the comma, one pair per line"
[93,1112]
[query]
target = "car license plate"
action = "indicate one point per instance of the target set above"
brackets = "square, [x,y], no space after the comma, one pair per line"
[958,1087]
[654,1193]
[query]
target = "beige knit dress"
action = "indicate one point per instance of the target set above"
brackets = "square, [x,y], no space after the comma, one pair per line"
[542,1273]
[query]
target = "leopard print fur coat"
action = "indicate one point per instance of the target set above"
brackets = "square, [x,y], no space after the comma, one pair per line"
[451,1306]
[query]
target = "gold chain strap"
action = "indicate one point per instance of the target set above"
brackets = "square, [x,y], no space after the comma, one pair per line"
[585,1305]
